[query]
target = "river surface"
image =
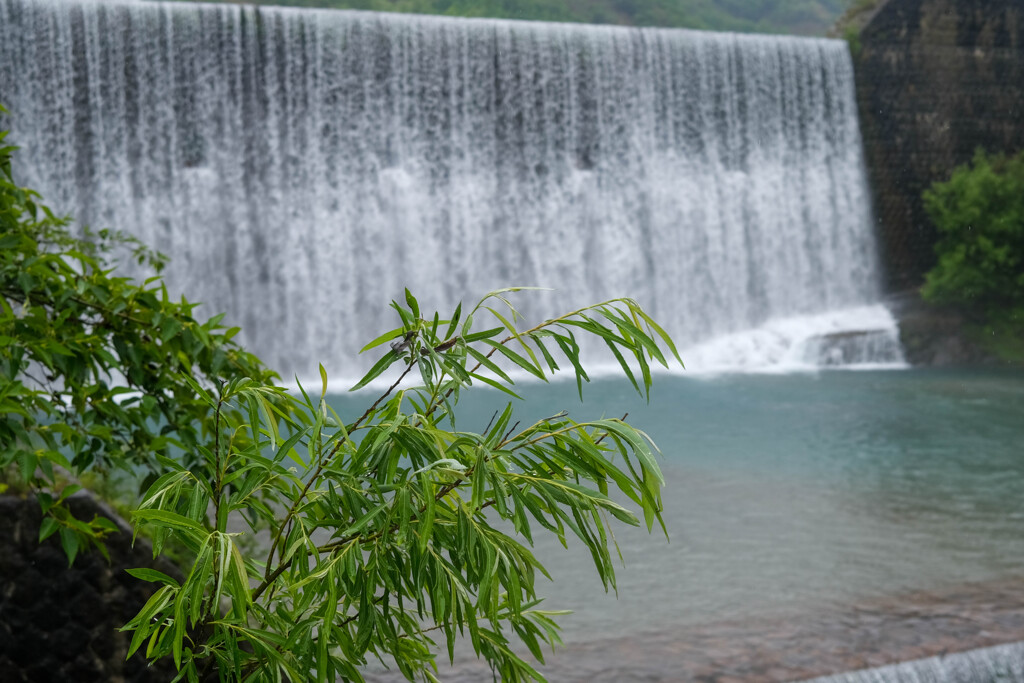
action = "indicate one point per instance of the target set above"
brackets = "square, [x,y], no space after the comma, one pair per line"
[801,494]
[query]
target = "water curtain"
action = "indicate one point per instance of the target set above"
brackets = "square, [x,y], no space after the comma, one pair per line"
[302,167]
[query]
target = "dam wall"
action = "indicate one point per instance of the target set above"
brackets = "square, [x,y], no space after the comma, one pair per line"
[936,80]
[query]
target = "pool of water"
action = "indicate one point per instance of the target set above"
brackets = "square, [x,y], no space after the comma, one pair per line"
[792,493]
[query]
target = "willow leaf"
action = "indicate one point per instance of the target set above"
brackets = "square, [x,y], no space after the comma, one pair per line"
[379,367]
[518,360]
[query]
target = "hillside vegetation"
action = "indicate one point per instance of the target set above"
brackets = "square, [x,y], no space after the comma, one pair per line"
[979,213]
[803,17]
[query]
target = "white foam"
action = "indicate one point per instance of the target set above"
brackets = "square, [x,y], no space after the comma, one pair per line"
[792,344]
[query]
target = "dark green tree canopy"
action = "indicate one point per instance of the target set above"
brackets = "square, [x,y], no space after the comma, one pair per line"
[979,213]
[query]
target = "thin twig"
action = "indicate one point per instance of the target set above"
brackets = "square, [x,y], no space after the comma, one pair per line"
[509,432]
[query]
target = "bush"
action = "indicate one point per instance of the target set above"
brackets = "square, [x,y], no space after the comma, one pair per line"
[392,526]
[93,366]
[979,214]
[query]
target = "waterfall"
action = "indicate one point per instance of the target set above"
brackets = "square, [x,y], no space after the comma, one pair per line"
[301,168]
[1002,664]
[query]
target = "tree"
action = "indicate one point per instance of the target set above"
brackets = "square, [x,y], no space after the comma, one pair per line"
[91,365]
[979,213]
[384,531]
[390,527]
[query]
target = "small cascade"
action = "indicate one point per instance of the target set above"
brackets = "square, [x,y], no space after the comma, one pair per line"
[1000,664]
[864,337]
[854,348]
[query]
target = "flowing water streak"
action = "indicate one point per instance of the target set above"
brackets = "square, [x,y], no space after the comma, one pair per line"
[1003,663]
[302,167]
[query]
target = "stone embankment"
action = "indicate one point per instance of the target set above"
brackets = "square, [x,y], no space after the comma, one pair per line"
[936,80]
[61,624]
[939,337]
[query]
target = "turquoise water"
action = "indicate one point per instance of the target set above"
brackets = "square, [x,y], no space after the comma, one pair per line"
[787,493]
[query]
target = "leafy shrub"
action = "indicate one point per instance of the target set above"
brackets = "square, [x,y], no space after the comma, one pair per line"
[91,365]
[979,213]
[852,36]
[394,526]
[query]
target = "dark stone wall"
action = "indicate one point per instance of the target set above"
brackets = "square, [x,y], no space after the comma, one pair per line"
[936,79]
[58,623]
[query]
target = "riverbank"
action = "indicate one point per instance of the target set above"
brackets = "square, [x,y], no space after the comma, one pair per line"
[934,336]
[792,647]
[93,599]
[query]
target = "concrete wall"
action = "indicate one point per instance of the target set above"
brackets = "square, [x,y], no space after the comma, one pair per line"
[936,79]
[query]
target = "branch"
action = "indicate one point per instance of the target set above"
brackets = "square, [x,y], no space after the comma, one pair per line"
[519,335]
[269,576]
[324,461]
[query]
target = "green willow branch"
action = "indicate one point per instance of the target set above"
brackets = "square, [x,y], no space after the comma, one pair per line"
[324,461]
[283,530]
[412,551]
[443,492]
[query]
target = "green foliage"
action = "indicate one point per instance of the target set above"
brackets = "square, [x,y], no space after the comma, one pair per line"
[91,365]
[852,36]
[852,22]
[979,213]
[807,17]
[394,531]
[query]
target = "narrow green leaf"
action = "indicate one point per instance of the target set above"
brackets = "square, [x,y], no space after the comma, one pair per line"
[384,338]
[453,324]
[69,541]
[486,362]
[624,365]
[153,576]
[269,419]
[479,336]
[518,360]
[659,331]
[497,385]
[169,520]
[572,351]
[47,528]
[479,479]
[383,364]
[627,327]
[413,304]
[365,520]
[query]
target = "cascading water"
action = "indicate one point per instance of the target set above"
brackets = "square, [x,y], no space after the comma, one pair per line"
[302,167]
[1000,664]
